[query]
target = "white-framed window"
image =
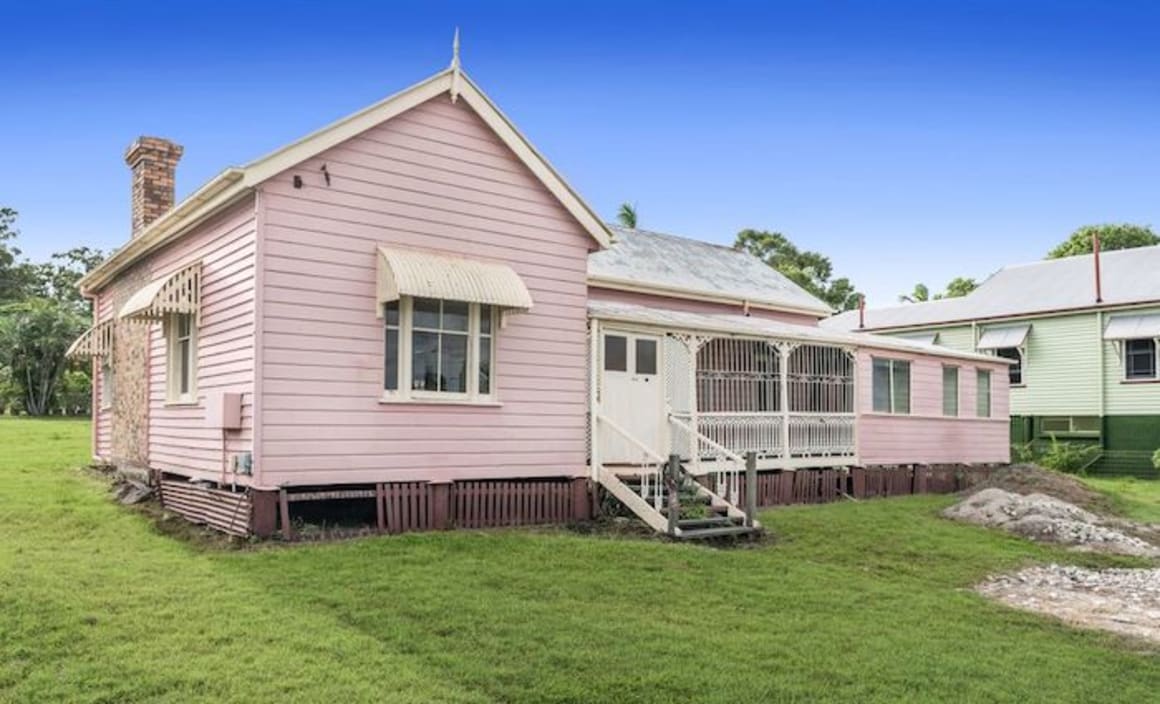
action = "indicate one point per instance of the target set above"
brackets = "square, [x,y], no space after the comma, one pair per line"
[1015,371]
[950,396]
[891,385]
[181,358]
[108,382]
[1139,359]
[438,350]
[983,395]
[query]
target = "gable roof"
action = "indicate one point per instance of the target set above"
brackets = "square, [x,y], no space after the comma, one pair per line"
[651,262]
[1128,276]
[234,183]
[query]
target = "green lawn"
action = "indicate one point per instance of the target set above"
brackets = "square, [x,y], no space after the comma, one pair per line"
[859,603]
[1134,498]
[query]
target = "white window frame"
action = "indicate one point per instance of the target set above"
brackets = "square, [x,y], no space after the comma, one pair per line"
[1022,365]
[1155,361]
[403,393]
[893,400]
[981,374]
[174,394]
[958,391]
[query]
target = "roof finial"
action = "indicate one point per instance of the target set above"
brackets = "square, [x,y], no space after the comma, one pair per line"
[455,67]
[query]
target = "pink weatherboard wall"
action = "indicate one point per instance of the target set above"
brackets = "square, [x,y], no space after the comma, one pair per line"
[435,178]
[686,305]
[926,436]
[179,438]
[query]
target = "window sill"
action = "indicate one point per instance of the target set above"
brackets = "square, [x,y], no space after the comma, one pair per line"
[183,403]
[929,416]
[431,401]
[1140,381]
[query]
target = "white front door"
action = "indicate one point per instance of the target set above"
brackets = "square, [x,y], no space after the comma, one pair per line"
[632,396]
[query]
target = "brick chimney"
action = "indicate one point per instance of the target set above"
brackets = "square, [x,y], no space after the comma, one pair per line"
[153,161]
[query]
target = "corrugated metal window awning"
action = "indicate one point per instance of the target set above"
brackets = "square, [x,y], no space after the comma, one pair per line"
[97,341]
[925,338]
[1001,338]
[1133,327]
[404,272]
[179,292]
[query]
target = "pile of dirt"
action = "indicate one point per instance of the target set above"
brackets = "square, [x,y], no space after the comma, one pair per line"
[1031,479]
[1047,519]
[1121,600]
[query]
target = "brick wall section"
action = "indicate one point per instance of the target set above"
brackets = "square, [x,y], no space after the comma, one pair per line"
[130,419]
[153,163]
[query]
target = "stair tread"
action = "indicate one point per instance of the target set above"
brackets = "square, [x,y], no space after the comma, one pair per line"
[716,532]
[708,521]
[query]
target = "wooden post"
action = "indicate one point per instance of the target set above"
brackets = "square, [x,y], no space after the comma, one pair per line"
[380,508]
[441,508]
[263,512]
[672,481]
[784,350]
[287,528]
[750,487]
[581,507]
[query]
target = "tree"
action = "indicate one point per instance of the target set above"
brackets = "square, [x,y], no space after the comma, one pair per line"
[626,216]
[17,277]
[34,336]
[920,294]
[1112,236]
[957,288]
[810,270]
[41,312]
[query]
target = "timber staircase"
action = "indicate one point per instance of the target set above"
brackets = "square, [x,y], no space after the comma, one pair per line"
[666,495]
[691,511]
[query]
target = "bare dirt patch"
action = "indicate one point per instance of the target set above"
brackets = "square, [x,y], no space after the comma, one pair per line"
[1124,601]
[1031,479]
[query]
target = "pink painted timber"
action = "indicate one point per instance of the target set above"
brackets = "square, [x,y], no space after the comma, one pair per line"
[435,178]
[925,435]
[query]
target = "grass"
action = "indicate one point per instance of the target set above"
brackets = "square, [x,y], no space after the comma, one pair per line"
[864,602]
[1134,498]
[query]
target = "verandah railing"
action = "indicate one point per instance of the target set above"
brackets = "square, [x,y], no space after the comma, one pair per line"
[823,435]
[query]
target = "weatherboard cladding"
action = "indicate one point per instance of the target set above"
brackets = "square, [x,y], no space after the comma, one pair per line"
[435,179]
[1128,276]
[680,264]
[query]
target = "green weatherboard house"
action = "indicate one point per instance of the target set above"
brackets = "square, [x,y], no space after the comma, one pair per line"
[1084,331]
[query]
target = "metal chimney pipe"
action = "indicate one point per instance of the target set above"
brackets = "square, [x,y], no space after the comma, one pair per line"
[861,312]
[1096,261]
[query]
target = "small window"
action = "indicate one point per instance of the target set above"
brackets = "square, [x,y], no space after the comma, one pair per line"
[646,356]
[983,399]
[1015,371]
[1139,359]
[615,353]
[891,385]
[950,391]
[108,382]
[181,370]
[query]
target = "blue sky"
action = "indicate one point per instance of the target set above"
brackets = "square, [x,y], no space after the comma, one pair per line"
[908,141]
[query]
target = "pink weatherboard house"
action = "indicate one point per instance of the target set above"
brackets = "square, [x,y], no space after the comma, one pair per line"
[410,311]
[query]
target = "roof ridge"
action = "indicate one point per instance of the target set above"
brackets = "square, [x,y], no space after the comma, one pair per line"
[669,235]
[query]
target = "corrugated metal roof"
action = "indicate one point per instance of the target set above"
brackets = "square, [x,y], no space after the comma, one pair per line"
[1133,327]
[1002,338]
[677,263]
[407,272]
[1128,276]
[761,327]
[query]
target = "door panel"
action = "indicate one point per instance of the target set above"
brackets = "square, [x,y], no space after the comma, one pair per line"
[632,396]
